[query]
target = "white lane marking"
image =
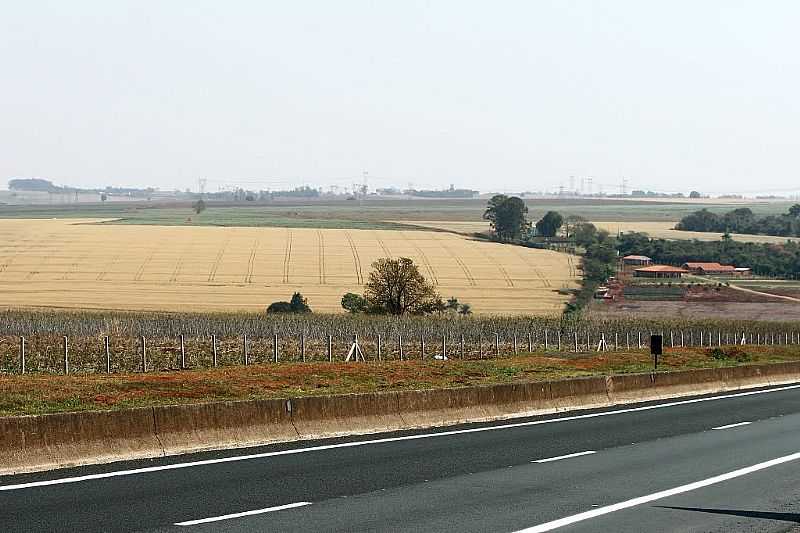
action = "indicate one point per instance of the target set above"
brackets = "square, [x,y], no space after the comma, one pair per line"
[568,456]
[239,515]
[293,451]
[594,513]
[729,426]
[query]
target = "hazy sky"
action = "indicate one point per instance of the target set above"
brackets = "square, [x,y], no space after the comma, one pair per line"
[495,95]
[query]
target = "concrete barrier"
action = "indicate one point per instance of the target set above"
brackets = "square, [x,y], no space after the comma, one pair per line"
[330,416]
[44,442]
[30,443]
[185,428]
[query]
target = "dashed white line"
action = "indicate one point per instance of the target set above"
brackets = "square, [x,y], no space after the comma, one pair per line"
[293,451]
[239,515]
[600,511]
[729,426]
[568,456]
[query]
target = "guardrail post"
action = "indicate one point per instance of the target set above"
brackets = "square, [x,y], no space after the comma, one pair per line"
[22,355]
[107,346]
[66,355]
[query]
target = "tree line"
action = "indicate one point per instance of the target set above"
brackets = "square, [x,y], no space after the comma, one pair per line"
[743,220]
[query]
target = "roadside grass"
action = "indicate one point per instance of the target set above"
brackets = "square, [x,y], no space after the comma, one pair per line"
[46,393]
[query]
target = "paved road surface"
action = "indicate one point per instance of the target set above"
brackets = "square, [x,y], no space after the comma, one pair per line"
[649,467]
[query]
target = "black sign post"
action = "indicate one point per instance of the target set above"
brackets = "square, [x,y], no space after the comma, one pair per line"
[656,346]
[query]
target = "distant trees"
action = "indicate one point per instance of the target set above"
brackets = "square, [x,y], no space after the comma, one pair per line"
[549,224]
[508,217]
[695,194]
[396,287]
[743,220]
[199,206]
[297,304]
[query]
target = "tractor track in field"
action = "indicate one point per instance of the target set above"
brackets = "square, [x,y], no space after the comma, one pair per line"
[423,257]
[383,246]
[212,276]
[356,258]
[458,260]
[248,278]
[140,271]
[526,259]
[287,256]
[321,244]
[500,268]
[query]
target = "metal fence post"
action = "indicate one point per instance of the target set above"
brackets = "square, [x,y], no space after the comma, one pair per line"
[546,344]
[462,346]
[244,349]
[515,344]
[66,355]
[379,347]
[530,343]
[183,353]
[496,345]
[303,347]
[214,350]
[108,354]
[422,346]
[330,348]
[400,344]
[444,346]
[144,354]
[22,355]
[275,347]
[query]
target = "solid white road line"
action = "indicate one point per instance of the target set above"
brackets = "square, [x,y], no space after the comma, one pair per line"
[568,456]
[594,513]
[239,515]
[729,426]
[293,451]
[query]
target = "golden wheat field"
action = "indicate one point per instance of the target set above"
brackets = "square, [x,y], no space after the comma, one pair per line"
[81,264]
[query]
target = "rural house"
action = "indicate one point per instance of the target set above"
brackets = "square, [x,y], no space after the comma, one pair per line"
[710,269]
[659,271]
[636,260]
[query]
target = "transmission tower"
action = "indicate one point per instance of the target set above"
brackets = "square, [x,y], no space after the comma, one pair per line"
[202,185]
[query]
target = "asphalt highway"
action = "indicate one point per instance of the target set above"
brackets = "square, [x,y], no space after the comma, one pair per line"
[728,462]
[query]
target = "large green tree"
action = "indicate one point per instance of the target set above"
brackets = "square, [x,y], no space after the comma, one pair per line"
[508,216]
[549,224]
[396,287]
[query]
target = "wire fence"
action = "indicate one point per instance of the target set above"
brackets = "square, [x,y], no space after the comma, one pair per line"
[61,354]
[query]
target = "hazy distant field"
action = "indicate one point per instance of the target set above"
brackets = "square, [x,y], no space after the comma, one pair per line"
[69,264]
[372,214]
[664,230]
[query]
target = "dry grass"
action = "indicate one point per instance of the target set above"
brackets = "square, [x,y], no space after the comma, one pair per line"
[76,264]
[38,393]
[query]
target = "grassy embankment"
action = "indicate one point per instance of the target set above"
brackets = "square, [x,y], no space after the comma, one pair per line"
[47,393]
